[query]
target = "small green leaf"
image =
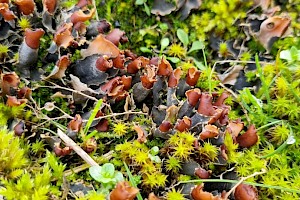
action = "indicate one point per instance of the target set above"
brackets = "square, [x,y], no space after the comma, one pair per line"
[155,159]
[197,45]
[290,55]
[183,37]
[154,150]
[95,172]
[140,2]
[145,50]
[294,53]
[147,9]
[199,65]
[119,176]
[92,116]
[286,55]
[108,170]
[164,43]
[163,26]
[173,59]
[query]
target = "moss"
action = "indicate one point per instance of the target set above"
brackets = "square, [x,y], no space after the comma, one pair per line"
[173,164]
[182,145]
[176,50]
[208,151]
[8,113]
[174,195]
[12,155]
[231,147]
[123,14]
[208,79]
[24,23]
[3,49]
[120,129]
[155,180]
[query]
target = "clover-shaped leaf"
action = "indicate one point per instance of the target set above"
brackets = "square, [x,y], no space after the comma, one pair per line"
[154,150]
[119,177]
[108,170]
[95,172]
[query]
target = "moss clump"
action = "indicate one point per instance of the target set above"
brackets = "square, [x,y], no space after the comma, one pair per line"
[173,164]
[174,195]
[176,50]
[208,151]
[8,113]
[3,51]
[12,156]
[24,23]
[27,187]
[138,155]
[218,16]
[120,129]
[181,144]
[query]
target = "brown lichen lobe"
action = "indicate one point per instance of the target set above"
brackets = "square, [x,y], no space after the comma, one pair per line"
[123,191]
[102,46]
[6,13]
[32,37]
[192,76]
[25,6]
[245,192]
[63,36]
[50,5]
[249,138]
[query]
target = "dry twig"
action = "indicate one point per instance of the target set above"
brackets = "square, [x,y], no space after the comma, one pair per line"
[70,143]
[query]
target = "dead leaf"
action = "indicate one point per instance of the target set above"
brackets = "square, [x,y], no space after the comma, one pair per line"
[273,27]
[230,76]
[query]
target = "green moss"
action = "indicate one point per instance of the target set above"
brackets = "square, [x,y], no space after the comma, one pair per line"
[218,16]
[231,147]
[176,50]
[182,145]
[12,156]
[174,195]
[3,49]
[173,164]
[24,23]
[208,151]
[7,113]
[93,195]
[279,134]
[155,180]
[120,129]
[206,81]
[75,56]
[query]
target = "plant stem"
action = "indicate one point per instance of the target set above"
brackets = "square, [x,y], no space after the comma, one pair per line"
[210,74]
[263,82]
[139,196]
[70,143]
[269,124]
[92,116]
